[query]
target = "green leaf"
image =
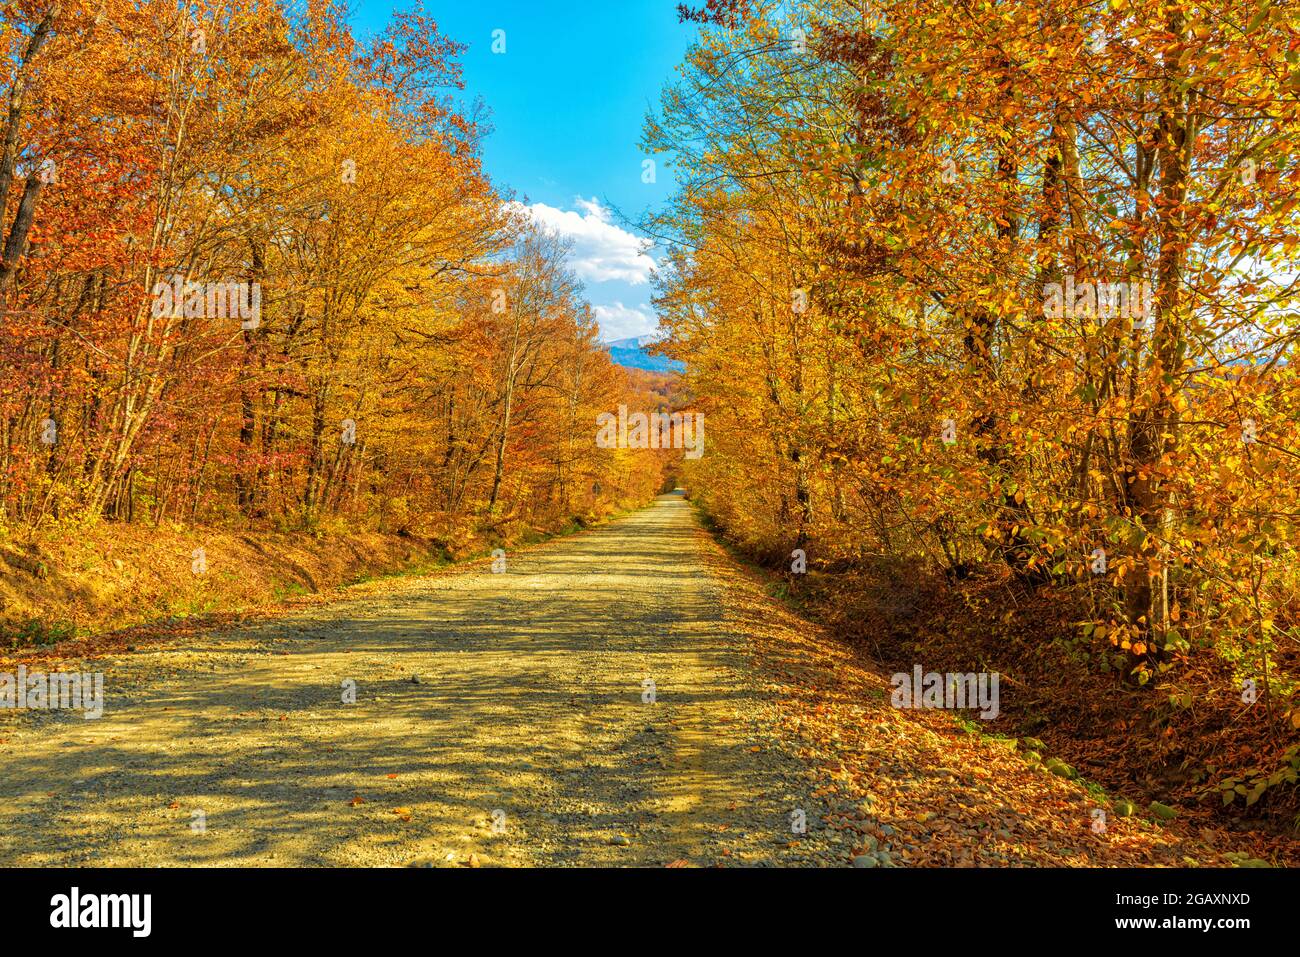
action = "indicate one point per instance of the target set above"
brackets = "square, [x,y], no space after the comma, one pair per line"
[1258,19]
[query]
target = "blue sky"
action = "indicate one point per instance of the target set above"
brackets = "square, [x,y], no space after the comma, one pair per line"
[567,100]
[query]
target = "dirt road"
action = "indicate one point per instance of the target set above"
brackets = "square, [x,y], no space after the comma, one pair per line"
[588,706]
[625,696]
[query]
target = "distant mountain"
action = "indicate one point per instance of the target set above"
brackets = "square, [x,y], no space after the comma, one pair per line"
[632,354]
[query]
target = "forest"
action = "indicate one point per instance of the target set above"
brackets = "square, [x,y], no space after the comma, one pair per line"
[992,311]
[989,307]
[255,275]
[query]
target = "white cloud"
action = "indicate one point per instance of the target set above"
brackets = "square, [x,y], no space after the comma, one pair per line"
[602,251]
[618,321]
